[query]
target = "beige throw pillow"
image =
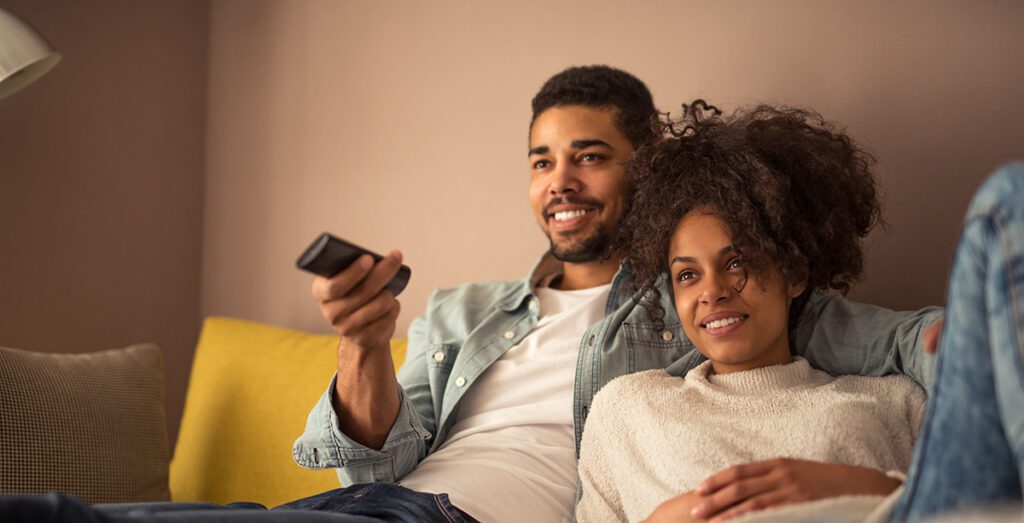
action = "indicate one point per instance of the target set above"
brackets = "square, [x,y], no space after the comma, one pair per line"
[91,425]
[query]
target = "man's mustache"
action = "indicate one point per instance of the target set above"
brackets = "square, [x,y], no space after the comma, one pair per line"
[573,200]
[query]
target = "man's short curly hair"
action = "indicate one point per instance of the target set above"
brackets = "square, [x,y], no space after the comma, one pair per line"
[602,86]
[796,193]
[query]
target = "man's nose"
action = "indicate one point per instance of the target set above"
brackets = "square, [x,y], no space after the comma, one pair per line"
[565,179]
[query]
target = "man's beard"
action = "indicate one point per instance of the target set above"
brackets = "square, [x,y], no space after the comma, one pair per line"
[595,247]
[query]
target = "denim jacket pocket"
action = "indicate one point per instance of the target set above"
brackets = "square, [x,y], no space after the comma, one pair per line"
[651,348]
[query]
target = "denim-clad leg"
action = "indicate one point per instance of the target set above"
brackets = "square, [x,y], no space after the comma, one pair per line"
[54,507]
[970,450]
[368,503]
[385,502]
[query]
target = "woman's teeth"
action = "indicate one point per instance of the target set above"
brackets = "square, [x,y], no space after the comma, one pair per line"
[724,322]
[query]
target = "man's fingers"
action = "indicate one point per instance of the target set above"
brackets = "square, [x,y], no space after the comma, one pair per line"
[370,312]
[380,331]
[362,280]
[725,477]
[328,289]
[734,494]
[391,317]
[378,277]
[350,290]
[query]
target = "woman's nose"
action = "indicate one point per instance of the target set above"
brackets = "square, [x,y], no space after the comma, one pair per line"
[715,289]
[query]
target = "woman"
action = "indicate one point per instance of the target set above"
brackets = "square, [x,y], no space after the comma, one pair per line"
[751,214]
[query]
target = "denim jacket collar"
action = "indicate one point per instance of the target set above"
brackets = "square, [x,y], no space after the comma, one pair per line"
[548,266]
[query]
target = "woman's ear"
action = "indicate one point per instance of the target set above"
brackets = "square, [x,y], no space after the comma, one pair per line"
[796,288]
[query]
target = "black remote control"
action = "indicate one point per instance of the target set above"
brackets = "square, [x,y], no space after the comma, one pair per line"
[329,255]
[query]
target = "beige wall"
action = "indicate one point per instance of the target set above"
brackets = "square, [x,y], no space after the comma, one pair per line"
[403,124]
[101,165]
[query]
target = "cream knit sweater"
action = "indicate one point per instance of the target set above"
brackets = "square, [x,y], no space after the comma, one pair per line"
[651,436]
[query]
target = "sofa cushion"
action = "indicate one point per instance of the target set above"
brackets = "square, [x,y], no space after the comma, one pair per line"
[89,424]
[251,388]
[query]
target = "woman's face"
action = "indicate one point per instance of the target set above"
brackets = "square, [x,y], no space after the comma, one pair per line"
[737,320]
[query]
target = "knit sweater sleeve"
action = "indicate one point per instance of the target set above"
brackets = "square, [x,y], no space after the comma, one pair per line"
[602,441]
[917,400]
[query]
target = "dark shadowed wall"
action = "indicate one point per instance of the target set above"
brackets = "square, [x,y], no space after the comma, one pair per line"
[101,183]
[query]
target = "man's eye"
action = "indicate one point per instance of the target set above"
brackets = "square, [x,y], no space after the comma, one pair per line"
[590,157]
[541,164]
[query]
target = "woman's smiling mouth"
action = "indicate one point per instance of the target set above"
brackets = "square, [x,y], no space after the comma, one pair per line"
[721,324]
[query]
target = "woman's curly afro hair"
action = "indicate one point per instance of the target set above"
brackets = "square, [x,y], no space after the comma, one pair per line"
[796,194]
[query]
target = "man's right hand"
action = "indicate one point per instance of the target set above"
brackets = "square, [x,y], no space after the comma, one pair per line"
[357,304]
[363,312]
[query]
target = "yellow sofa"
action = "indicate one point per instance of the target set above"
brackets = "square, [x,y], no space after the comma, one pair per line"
[251,387]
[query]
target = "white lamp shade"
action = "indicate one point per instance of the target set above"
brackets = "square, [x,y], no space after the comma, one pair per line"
[24,54]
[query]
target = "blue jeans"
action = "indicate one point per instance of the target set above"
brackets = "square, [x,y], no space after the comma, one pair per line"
[970,453]
[365,503]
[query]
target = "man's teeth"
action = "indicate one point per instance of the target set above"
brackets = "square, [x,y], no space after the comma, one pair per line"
[568,215]
[724,322]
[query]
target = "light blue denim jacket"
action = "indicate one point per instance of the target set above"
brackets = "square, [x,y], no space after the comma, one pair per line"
[467,328]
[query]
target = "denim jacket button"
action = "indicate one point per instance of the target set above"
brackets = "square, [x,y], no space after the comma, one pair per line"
[460,382]
[667,335]
[509,335]
[438,356]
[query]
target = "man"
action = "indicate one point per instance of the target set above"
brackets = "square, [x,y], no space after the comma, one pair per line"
[491,403]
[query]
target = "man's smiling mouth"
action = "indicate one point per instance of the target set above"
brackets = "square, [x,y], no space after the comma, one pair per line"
[563,216]
[570,214]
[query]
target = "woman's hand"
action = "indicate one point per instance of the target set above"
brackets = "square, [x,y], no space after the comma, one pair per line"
[677,510]
[781,481]
[931,336]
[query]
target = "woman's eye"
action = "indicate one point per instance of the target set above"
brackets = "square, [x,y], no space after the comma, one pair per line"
[590,157]
[735,263]
[685,276]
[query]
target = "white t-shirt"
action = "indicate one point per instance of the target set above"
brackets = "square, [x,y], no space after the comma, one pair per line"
[511,453]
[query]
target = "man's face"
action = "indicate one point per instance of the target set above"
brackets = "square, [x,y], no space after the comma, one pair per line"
[578,179]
